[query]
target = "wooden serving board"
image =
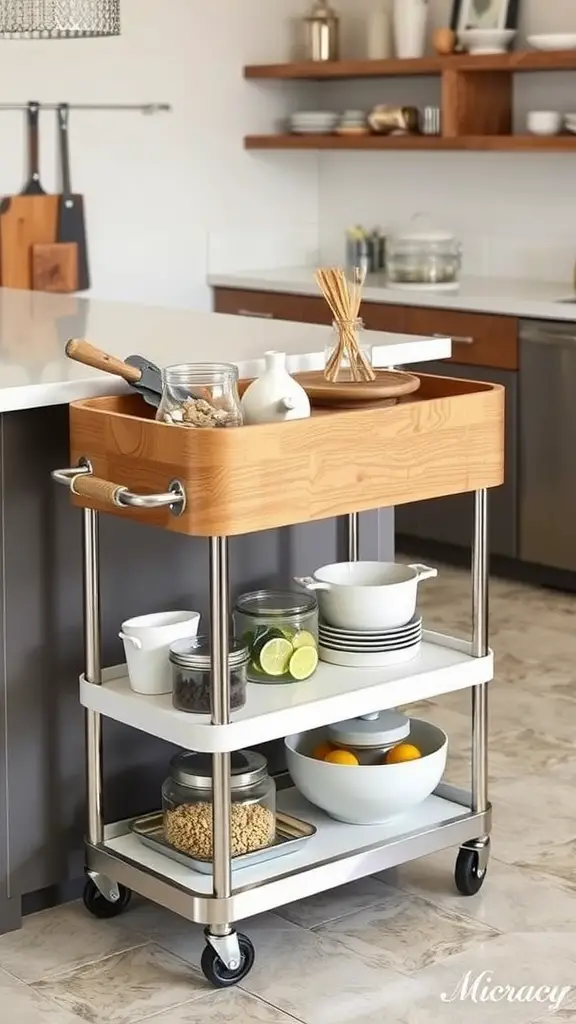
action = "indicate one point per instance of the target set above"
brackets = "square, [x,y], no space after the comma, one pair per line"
[446,438]
[25,221]
[388,384]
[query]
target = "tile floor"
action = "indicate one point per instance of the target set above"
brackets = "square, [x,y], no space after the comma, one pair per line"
[391,949]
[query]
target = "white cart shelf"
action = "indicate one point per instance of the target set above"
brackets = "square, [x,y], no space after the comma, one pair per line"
[445,664]
[337,854]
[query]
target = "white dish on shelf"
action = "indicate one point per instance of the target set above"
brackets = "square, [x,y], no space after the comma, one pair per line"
[368,794]
[353,644]
[369,659]
[372,634]
[341,645]
[544,122]
[486,40]
[553,41]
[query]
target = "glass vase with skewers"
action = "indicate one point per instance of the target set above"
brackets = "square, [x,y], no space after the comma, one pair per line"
[347,355]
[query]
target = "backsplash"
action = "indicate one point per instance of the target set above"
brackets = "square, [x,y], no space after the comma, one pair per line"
[514,212]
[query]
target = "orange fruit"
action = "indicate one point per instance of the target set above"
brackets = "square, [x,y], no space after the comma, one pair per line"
[321,750]
[402,752]
[341,757]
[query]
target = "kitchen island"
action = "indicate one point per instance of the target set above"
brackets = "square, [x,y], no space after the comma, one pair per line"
[42,799]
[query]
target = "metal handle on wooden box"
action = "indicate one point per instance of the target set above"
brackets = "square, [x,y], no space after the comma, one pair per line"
[80,480]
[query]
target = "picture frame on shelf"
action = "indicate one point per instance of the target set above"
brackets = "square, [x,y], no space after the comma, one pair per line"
[484,14]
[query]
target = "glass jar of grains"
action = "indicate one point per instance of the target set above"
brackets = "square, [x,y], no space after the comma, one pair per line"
[192,674]
[187,804]
[280,630]
[200,395]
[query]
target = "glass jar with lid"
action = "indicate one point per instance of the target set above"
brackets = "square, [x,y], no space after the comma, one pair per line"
[280,629]
[192,674]
[423,256]
[187,804]
[200,395]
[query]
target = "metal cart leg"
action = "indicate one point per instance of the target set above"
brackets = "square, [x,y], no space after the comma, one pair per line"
[353,536]
[228,955]
[473,857]
[102,896]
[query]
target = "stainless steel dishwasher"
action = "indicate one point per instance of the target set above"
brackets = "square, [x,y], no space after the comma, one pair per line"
[548,443]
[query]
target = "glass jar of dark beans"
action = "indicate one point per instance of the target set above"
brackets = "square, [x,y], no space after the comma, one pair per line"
[192,678]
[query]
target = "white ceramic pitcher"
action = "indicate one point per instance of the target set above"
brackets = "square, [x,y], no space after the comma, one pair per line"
[147,641]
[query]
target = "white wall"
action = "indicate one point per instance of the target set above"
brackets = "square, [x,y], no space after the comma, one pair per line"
[169,195]
[514,212]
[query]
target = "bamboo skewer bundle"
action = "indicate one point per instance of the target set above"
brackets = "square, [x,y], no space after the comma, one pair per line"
[344,301]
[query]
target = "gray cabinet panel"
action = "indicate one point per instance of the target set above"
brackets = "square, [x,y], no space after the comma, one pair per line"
[449,520]
[143,569]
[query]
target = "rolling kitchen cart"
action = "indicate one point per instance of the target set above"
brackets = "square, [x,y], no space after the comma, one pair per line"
[445,439]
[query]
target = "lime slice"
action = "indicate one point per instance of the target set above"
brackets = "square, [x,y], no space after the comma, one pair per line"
[262,636]
[303,639]
[275,656]
[303,663]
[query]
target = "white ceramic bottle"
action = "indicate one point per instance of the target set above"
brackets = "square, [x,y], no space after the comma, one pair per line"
[410,24]
[379,42]
[275,396]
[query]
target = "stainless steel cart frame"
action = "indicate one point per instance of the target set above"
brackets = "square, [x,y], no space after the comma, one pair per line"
[108,869]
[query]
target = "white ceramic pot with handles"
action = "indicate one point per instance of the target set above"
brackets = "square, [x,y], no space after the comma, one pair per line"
[367,595]
[147,641]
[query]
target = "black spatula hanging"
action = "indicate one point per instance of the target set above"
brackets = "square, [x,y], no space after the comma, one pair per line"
[71,220]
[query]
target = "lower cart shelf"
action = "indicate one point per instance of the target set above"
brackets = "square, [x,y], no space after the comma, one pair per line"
[337,854]
[271,711]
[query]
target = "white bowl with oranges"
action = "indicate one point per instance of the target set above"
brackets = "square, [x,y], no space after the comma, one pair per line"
[333,778]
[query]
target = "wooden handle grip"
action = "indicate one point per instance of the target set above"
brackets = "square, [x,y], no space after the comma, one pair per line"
[83,352]
[99,490]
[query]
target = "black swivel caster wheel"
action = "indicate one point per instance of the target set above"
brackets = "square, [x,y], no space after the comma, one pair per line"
[215,971]
[97,904]
[468,874]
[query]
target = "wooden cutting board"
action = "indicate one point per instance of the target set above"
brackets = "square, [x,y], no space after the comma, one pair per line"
[25,221]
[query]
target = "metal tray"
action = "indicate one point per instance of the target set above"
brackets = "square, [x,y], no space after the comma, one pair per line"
[290,834]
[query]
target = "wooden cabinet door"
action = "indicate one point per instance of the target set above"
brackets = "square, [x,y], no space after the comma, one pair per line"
[478,339]
[272,305]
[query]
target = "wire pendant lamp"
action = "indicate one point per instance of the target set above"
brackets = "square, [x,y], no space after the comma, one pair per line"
[59,19]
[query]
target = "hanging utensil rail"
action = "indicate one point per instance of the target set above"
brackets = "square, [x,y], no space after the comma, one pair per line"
[144,108]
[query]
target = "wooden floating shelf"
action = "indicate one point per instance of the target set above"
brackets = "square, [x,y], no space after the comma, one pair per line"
[529,60]
[432,143]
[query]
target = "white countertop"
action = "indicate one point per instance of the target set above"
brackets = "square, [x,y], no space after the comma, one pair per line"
[34,328]
[507,296]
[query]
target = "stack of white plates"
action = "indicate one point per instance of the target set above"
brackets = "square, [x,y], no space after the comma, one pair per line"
[353,122]
[370,648]
[570,122]
[314,122]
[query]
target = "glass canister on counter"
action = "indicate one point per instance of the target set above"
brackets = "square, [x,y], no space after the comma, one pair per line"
[187,804]
[201,395]
[192,675]
[423,256]
[280,630]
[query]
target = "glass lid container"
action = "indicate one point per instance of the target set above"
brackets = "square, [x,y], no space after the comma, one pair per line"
[195,770]
[423,233]
[380,729]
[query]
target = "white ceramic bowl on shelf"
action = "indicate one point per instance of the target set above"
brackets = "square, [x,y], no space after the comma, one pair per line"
[554,41]
[368,794]
[367,595]
[544,122]
[483,40]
